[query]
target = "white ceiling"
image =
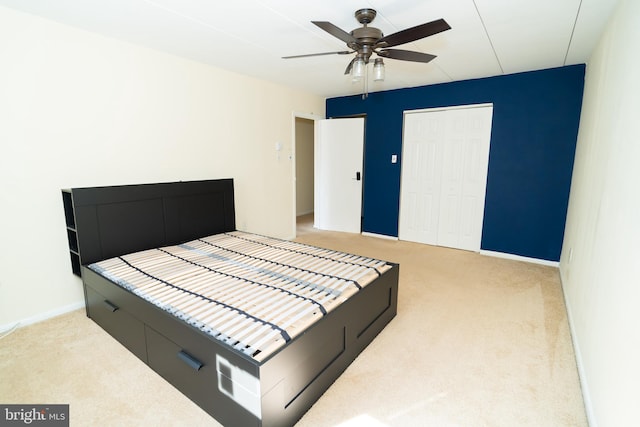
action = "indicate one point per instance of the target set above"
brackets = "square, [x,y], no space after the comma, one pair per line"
[488,37]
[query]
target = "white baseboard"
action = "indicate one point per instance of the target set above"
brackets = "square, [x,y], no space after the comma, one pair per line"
[520,258]
[379,236]
[42,316]
[584,386]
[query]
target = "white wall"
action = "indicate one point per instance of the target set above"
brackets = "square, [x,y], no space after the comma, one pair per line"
[600,262]
[78,109]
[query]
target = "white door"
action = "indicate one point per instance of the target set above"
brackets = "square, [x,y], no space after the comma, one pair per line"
[421,176]
[338,157]
[456,167]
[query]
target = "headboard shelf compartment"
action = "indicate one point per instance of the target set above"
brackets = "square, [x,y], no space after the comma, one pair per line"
[72,235]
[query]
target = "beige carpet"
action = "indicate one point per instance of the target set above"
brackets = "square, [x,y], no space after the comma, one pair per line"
[478,341]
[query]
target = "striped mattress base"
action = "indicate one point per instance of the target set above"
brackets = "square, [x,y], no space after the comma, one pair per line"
[253,292]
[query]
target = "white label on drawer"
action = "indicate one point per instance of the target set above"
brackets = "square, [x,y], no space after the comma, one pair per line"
[239,385]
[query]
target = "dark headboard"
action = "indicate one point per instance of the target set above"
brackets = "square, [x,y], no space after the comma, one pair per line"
[113,221]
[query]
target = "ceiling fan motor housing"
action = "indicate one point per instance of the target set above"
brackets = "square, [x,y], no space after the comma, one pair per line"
[367,37]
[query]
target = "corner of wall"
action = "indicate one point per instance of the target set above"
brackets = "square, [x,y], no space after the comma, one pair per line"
[584,386]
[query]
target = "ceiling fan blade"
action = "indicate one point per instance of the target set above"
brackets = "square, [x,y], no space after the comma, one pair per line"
[335,31]
[414,33]
[405,55]
[348,70]
[342,52]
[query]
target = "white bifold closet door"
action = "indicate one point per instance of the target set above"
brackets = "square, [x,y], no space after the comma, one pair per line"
[444,174]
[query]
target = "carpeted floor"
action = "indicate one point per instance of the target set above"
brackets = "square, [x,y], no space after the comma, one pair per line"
[478,341]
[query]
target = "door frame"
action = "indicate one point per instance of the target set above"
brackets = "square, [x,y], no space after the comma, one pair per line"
[436,109]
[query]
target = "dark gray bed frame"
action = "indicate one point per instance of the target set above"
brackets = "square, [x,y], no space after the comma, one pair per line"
[113,221]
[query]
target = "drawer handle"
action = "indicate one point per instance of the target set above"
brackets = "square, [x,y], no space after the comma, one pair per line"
[191,361]
[110,306]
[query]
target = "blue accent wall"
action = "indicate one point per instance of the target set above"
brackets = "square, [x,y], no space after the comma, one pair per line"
[533,140]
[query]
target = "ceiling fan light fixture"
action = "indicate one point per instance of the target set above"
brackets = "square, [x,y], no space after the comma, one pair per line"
[357,71]
[378,70]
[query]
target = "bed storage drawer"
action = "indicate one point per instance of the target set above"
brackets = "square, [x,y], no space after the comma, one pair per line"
[121,325]
[190,372]
[207,378]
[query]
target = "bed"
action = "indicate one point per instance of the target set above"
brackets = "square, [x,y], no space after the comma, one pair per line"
[251,328]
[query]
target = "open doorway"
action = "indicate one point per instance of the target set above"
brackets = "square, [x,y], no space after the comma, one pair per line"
[304,172]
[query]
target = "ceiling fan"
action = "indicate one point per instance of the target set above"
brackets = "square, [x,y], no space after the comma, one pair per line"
[365,41]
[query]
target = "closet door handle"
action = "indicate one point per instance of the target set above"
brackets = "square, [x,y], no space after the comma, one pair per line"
[110,306]
[358,177]
[191,361]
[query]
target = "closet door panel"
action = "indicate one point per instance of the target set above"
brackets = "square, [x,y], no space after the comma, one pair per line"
[421,174]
